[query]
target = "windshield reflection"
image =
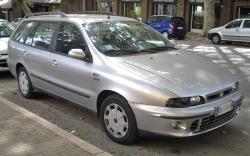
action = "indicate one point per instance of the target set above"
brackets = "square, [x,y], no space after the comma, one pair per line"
[125,38]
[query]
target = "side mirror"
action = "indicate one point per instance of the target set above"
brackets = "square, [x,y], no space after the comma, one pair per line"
[77,54]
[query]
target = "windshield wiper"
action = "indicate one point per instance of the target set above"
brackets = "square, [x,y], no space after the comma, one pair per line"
[121,52]
[156,49]
[4,36]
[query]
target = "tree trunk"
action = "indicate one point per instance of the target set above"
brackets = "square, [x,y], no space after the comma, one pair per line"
[209,16]
[99,5]
[26,9]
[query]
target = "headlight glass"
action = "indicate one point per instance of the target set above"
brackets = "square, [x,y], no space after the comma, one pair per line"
[236,86]
[185,102]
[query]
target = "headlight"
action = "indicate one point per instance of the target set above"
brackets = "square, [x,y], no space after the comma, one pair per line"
[185,102]
[236,86]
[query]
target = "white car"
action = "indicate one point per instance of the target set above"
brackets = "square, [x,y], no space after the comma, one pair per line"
[237,30]
[6,30]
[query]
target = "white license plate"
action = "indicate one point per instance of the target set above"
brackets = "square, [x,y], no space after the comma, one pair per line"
[223,109]
[179,27]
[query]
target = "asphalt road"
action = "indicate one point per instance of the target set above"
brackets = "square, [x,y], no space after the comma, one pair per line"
[232,139]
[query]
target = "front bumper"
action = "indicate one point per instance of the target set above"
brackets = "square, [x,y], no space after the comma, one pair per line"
[210,35]
[193,120]
[3,60]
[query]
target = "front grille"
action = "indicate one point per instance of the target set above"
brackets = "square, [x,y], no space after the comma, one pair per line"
[210,122]
[219,94]
[3,61]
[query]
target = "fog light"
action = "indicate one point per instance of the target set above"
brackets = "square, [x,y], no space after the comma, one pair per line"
[179,125]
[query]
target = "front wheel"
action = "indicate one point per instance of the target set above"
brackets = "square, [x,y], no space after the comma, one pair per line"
[216,39]
[118,120]
[24,83]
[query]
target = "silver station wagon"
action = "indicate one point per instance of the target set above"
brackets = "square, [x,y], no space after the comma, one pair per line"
[128,74]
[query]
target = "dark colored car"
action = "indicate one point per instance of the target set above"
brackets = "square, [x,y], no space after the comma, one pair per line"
[168,26]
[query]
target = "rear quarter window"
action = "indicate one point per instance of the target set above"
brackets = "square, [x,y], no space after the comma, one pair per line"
[23,30]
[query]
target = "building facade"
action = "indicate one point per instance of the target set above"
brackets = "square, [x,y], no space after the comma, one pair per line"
[191,10]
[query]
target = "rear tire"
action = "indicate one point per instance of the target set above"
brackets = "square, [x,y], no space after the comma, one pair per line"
[118,120]
[24,83]
[216,39]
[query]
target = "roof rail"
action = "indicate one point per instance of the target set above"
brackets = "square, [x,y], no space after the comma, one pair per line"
[46,13]
[94,12]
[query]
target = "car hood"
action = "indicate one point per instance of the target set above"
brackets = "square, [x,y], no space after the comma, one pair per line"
[180,72]
[4,45]
[216,30]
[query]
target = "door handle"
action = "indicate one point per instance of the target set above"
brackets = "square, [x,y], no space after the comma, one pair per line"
[54,62]
[237,30]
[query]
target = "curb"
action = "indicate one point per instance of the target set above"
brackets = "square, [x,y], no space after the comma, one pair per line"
[62,133]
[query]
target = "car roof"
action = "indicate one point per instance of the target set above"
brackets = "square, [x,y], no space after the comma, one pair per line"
[80,18]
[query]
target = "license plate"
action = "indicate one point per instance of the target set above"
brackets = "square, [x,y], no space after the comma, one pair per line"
[179,27]
[223,109]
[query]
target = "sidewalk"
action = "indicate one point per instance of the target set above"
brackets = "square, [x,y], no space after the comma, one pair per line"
[23,133]
[195,37]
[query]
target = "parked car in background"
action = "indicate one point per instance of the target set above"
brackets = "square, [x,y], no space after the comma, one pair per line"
[168,26]
[124,71]
[237,30]
[6,30]
[16,21]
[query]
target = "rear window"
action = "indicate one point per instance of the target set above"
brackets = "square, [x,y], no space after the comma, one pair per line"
[178,20]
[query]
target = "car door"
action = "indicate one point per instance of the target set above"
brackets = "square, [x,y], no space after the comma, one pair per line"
[71,77]
[231,32]
[37,53]
[245,31]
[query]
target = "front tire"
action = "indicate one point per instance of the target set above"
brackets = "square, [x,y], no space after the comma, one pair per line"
[216,39]
[118,120]
[24,83]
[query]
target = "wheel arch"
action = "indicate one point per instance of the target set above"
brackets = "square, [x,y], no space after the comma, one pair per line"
[18,66]
[102,96]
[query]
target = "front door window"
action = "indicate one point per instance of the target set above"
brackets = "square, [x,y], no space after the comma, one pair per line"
[197,16]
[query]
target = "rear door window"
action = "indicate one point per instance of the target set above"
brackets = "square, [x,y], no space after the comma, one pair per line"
[246,24]
[23,30]
[44,34]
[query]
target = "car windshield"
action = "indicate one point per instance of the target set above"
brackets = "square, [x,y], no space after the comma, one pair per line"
[6,29]
[116,38]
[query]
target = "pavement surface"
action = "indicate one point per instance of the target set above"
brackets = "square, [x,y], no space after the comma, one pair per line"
[26,134]
[231,139]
